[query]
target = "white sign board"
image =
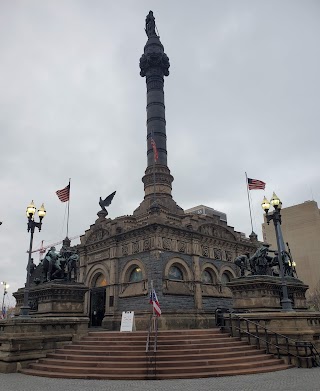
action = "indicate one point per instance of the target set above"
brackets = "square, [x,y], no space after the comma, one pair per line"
[127,321]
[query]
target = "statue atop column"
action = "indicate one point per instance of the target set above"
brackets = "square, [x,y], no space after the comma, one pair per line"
[150,25]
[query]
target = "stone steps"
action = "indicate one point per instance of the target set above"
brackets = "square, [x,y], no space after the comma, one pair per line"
[168,361]
[180,354]
[161,356]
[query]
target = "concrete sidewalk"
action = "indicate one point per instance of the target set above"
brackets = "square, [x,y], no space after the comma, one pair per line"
[290,380]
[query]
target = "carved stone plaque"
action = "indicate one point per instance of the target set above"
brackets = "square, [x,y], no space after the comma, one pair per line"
[217,254]
[166,244]
[135,247]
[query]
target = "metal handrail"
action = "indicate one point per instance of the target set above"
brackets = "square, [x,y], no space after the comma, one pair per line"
[152,358]
[309,349]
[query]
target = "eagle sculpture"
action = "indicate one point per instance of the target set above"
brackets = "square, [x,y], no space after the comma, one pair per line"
[106,202]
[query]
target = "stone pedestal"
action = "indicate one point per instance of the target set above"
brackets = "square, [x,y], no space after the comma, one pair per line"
[293,329]
[23,340]
[54,298]
[264,293]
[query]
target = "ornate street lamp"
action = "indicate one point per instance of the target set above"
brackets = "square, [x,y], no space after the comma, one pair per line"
[286,303]
[31,210]
[5,291]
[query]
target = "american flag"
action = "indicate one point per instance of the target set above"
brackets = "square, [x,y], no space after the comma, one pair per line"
[64,194]
[255,184]
[155,150]
[154,301]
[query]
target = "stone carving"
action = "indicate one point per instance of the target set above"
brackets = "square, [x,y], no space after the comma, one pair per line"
[217,253]
[205,250]
[227,235]
[206,229]
[125,249]
[166,244]
[152,60]
[135,247]
[97,235]
[218,232]
[146,244]
[229,256]
[182,246]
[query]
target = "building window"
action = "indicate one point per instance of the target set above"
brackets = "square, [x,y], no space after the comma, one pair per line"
[136,275]
[100,281]
[207,277]
[175,274]
[225,278]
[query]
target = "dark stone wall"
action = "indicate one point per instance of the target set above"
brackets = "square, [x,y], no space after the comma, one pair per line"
[155,267]
[211,303]
[137,303]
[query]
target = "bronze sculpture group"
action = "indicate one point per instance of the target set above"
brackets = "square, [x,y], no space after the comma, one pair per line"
[62,265]
[261,263]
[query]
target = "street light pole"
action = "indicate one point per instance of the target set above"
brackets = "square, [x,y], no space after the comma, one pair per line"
[286,303]
[31,210]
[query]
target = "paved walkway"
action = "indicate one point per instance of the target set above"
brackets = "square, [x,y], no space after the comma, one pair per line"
[290,380]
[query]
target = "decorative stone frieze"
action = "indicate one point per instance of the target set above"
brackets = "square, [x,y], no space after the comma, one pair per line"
[135,247]
[217,253]
[182,246]
[166,244]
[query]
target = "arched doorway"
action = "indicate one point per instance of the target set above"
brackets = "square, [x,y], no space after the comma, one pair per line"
[97,300]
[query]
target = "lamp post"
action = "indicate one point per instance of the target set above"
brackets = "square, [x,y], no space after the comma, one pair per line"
[286,303]
[5,291]
[31,210]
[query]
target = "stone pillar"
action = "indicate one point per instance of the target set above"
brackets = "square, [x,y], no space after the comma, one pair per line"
[111,288]
[154,65]
[197,282]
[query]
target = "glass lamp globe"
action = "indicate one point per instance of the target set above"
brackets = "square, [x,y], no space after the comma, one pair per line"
[42,212]
[31,210]
[265,205]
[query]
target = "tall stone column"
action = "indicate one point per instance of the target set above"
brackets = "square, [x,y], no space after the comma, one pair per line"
[154,65]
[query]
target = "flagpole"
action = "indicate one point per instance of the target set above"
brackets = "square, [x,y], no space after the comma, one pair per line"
[249,201]
[152,297]
[68,208]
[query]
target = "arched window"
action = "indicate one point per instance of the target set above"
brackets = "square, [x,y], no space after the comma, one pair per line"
[136,275]
[99,281]
[226,277]
[207,277]
[175,273]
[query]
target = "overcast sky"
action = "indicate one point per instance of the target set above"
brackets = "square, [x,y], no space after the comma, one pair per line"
[242,95]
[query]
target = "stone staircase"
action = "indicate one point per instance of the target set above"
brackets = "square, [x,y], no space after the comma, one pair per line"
[181,354]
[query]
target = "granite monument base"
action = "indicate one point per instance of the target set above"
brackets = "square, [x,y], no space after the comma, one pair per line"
[23,340]
[264,293]
[54,298]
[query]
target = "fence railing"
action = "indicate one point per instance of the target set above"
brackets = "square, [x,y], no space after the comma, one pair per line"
[151,346]
[298,353]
